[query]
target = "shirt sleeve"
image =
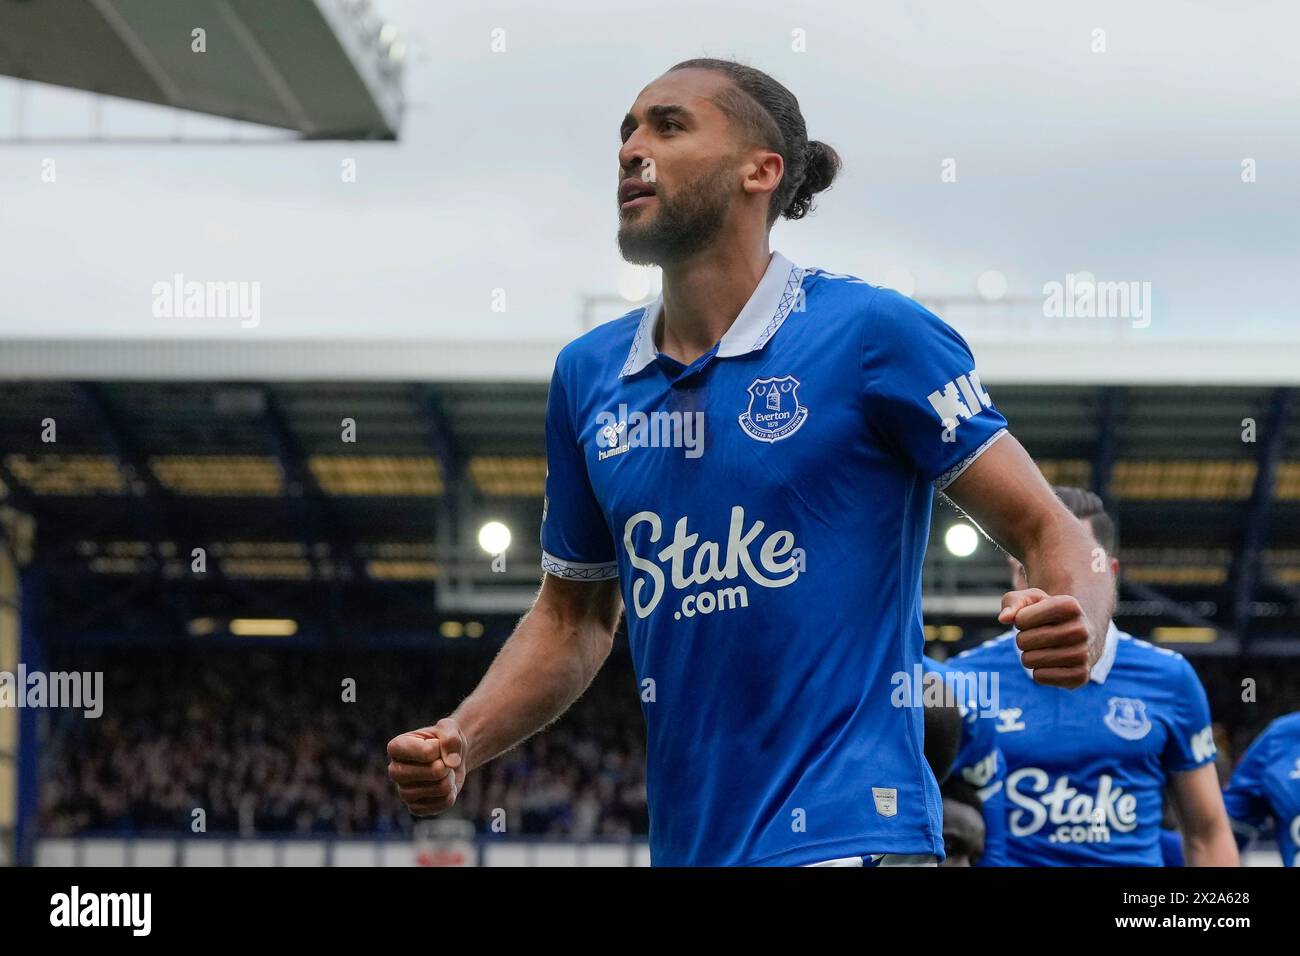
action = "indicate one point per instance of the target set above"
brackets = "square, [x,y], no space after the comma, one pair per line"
[576,543]
[924,395]
[1191,738]
[1245,799]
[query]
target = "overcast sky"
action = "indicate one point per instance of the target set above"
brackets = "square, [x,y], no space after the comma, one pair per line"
[1125,163]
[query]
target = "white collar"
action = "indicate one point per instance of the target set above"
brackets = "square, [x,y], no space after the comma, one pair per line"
[1100,670]
[775,296]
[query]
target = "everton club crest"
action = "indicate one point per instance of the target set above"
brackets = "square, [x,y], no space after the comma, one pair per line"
[774,411]
[1127,717]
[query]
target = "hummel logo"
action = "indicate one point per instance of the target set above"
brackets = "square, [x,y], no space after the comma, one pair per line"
[614,438]
[1009,720]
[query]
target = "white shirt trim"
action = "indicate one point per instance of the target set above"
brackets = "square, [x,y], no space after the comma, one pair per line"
[577,570]
[955,472]
[848,860]
[1101,669]
[775,297]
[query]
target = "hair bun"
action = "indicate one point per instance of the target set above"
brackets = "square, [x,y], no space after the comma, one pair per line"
[821,165]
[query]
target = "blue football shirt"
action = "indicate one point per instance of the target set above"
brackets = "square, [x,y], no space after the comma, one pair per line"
[766,511]
[1266,785]
[1087,768]
[979,761]
[1171,848]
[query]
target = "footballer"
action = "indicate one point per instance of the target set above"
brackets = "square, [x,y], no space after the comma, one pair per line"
[1087,772]
[770,573]
[1266,788]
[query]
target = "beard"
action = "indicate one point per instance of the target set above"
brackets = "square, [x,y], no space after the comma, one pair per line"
[689,219]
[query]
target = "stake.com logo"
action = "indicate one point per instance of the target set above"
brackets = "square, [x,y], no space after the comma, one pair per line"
[779,563]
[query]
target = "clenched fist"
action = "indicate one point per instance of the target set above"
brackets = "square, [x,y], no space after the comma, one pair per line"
[1053,636]
[428,766]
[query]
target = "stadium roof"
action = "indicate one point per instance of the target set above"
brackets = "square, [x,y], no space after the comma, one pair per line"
[323,68]
[1045,360]
[379,488]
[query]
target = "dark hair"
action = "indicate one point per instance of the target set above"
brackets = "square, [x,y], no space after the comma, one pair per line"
[960,790]
[1089,507]
[942,736]
[769,113]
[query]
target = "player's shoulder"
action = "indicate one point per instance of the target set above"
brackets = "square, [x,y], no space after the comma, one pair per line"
[1285,728]
[887,323]
[1278,739]
[1148,670]
[999,651]
[607,346]
[1135,652]
[882,312]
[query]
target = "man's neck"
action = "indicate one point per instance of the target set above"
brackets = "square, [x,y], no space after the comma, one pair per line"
[704,296]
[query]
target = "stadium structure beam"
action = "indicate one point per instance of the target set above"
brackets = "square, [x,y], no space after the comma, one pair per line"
[1112,399]
[18,495]
[1246,569]
[281,90]
[321,68]
[61,562]
[318,512]
[31,651]
[113,430]
[309,502]
[152,527]
[122,598]
[1168,606]
[1288,591]
[455,485]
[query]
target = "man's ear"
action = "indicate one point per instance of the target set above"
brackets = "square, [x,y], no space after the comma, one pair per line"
[767,169]
[1114,568]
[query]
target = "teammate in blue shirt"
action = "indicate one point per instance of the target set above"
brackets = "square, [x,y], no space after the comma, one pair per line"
[1087,771]
[979,761]
[1171,837]
[1266,786]
[747,465]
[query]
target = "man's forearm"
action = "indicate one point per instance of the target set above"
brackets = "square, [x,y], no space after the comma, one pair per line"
[542,669]
[1207,834]
[1006,494]
[1212,846]
[1060,558]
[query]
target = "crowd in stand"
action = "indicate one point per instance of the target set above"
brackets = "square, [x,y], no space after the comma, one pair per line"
[275,742]
[265,742]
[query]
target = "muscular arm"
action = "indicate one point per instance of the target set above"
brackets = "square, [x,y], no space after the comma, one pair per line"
[1207,835]
[1006,495]
[543,668]
[548,662]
